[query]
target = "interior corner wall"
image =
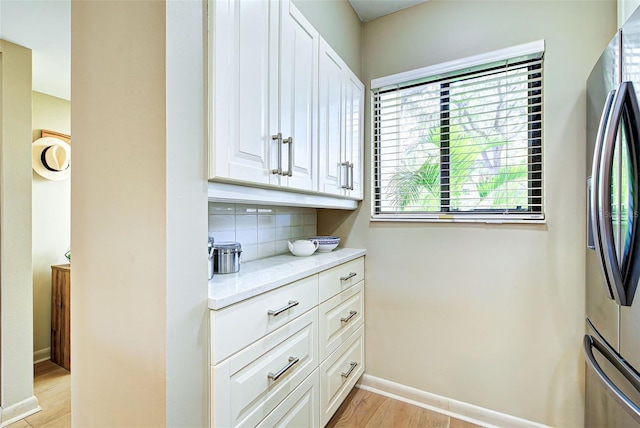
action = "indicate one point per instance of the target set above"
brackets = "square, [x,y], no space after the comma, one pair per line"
[51,220]
[119,214]
[187,334]
[339,25]
[16,297]
[491,315]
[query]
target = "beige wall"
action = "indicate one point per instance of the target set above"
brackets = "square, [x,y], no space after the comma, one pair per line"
[486,314]
[339,25]
[118,207]
[138,215]
[16,297]
[51,220]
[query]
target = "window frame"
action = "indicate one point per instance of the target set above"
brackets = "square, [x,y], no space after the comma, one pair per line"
[535,135]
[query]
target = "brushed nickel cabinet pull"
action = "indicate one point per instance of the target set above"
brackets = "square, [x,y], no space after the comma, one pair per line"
[278,138]
[276,312]
[289,141]
[348,372]
[351,275]
[351,166]
[348,317]
[346,176]
[276,375]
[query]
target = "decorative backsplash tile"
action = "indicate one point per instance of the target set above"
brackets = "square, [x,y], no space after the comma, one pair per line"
[263,231]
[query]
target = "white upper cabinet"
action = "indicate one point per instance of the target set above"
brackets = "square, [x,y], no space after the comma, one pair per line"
[331,121]
[298,99]
[286,112]
[243,57]
[354,135]
[341,119]
[264,94]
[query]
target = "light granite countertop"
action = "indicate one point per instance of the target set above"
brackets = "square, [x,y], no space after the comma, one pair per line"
[259,276]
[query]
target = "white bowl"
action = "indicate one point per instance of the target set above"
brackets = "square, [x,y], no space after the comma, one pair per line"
[325,248]
[326,243]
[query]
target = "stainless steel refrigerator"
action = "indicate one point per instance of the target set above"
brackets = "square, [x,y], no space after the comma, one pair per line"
[612,340]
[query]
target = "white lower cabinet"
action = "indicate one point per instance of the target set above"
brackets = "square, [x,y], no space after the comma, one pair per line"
[339,373]
[301,409]
[238,325]
[289,357]
[253,382]
[340,316]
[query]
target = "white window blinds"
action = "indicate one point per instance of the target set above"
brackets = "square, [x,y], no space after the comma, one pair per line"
[465,144]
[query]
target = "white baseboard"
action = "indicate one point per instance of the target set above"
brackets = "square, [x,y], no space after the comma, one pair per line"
[437,403]
[41,355]
[14,413]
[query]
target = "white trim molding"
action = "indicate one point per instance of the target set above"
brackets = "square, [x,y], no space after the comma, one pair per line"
[525,49]
[42,355]
[235,193]
[437,403]
[19,411]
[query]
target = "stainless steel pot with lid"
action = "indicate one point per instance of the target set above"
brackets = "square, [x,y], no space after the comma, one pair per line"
[226,257]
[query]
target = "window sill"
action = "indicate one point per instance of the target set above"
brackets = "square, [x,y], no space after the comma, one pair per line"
[452,218]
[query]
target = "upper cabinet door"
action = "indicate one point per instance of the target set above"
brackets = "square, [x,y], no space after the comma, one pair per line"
[298,99]
[243,56]
[285,110]
[332,174]
[354,137]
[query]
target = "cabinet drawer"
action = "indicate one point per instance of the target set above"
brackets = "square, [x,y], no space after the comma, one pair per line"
[339,373]
[241,324]
[340,316]
[252,383]
[300,409]
[339,278]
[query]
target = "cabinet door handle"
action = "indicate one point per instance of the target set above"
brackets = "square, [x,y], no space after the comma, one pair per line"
[278,138]
[289,141]
[351,166]
[291,304]
[348,318]
[351,275]
[346,176]
[352,367]
[276,375]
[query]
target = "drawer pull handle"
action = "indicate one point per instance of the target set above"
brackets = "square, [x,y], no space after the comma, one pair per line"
[276,376]
[348,318]
[351,275]
[277,312]
[348,372]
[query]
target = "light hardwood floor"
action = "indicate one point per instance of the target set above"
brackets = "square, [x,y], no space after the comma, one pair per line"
[365,409]
[52,387]
[361,409]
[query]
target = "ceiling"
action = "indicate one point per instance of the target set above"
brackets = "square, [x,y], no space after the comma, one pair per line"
[44,26]
[369,10]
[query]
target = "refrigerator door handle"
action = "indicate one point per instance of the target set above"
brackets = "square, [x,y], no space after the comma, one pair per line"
[591,244]
[589,343]
[623,100]
[594,208]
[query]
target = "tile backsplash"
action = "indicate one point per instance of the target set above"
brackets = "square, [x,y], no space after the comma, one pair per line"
[262,230]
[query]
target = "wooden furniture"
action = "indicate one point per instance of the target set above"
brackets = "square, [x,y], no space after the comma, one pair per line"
[271,127]
[60,315]
[289,356]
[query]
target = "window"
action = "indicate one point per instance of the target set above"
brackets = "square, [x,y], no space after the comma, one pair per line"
[461,141]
